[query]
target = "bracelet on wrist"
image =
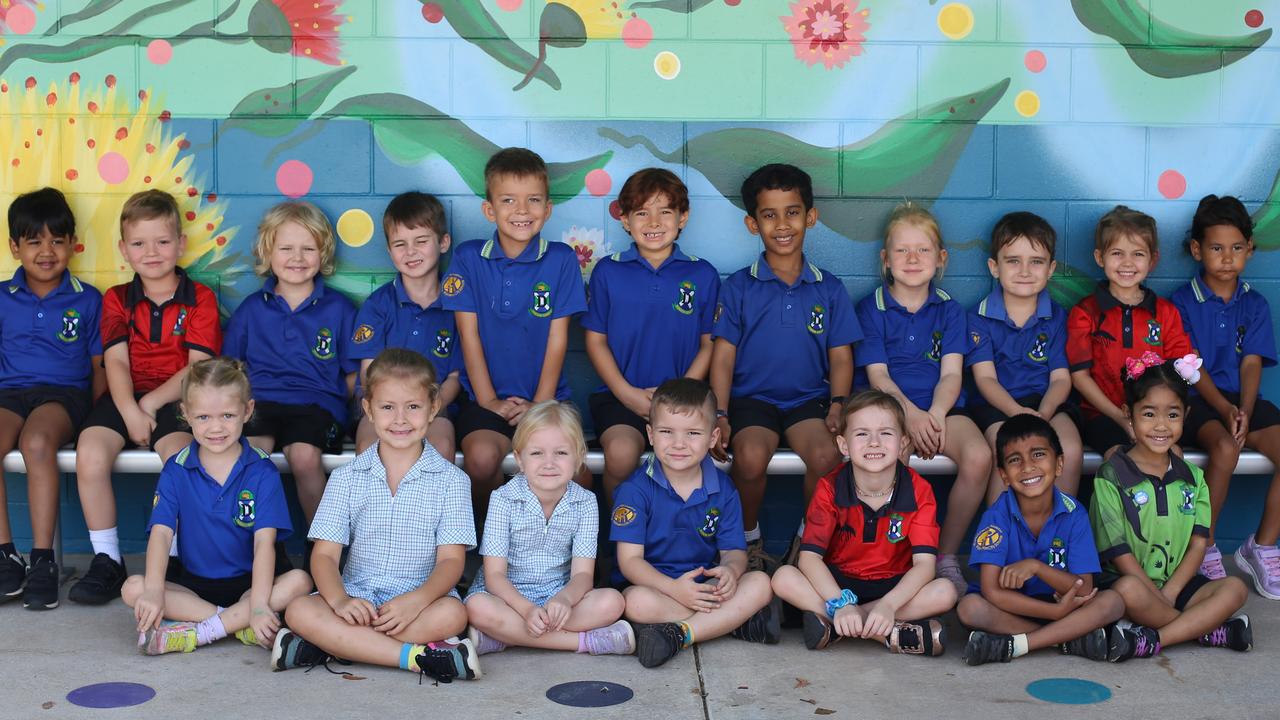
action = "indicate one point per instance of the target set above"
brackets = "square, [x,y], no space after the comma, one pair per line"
[845,598]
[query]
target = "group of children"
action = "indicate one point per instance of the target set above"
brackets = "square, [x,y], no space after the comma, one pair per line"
[694,370]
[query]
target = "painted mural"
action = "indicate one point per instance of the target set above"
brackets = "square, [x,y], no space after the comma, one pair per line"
[1062,107]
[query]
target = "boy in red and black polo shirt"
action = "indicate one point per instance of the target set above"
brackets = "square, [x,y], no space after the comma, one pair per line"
[1122,319]
[867,558]
[153,327]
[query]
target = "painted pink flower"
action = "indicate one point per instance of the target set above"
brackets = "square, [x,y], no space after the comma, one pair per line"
[826,31]
[308,28]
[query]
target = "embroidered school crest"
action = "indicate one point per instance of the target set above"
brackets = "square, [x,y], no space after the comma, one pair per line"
[70,326]
[719,312]
[155,500]
[1037,352]
[452,284]
[1188,502]
[894,534]
[323,348]
[989,538]
[246,512]
[1240,340]
[1058,554]
[817,319]
[444,343]
[975,338]
[363,334]
[935,346]
[180,325]
[1140,498]
[1153,333]
[541,300]
[710,523]
[624,515]
[684,303]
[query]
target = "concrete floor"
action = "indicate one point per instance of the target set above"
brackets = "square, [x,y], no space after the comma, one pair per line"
[46,655]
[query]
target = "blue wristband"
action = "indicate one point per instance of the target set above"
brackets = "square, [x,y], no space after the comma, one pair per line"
[846,597]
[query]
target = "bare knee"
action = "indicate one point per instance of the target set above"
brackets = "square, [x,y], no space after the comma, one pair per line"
[131,590]
[39,447]
[481,459]
[294,582]
[755,585]
[482,610]
[788,581]
[751,462]
[974,611]
[641,603]
[609,601]
[304,459]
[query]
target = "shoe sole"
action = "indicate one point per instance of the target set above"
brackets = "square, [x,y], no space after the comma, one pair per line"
[817,635]
[631,638]
[1248,632]
[277,649]
[1244,565]
[39,606]
[472,660]
[82,599]
[646,659]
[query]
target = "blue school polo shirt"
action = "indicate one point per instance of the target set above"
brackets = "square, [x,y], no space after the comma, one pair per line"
[654,318]
[296,357]
[390,319]
[515,300]
[911,344]
[1223,333]
[215,523]
[783,332]
[1065,542]
[677,535]
[1023,356]
[49,340]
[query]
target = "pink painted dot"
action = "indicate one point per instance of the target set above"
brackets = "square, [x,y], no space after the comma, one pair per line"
[432,12]
[732,3]
[598,182]
[1035,61]
[113,168]
[20,19]
[615,210]
[1253,18]
[510,5]
[1171,184]
[293,178]
[159,52]
[637,33]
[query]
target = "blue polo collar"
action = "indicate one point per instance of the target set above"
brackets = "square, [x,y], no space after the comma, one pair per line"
[68,284]
[402,296]
[189,457]
[993,306]
[1203,293]
[760,270]
[317,291]
[1062,504]
[886,301]
[710,475]
[532,252]
[632,254]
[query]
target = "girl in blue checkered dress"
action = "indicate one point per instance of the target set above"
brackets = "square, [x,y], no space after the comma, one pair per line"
[540,548]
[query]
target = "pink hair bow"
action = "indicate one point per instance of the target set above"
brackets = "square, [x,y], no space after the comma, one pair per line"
[1134,367]
[1188,366]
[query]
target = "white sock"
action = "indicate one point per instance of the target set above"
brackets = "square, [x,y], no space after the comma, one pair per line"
[210,629]
[1020,645]
[754,533]
[106,541]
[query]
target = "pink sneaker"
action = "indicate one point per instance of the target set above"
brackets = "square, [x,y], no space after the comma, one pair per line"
[169,637]
[1211,567]
[1262,563]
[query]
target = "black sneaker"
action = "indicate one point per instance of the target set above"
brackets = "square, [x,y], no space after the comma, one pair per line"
[13,577]
[101,584]
[291,651]
[1125,641]
[1235,633]
[1092,645]
[42,586]
[986,647]
[818,631]
[916,638]
[765,626]
[446,661]
[658,643]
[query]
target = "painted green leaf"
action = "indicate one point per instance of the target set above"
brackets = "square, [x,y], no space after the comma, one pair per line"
[1070,285]
[269,27]
[270,112]
[681,6]
[1159,48]
[475,25]
[92,10]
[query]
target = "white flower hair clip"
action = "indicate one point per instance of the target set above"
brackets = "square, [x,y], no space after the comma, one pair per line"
[1188,366]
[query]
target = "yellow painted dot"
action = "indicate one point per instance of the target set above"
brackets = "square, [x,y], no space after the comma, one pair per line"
[955,20]
[355,227]
[667,65]
[1027,103]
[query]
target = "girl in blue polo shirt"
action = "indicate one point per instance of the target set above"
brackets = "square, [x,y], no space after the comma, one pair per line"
[225,501]
[914,349]
[539,550]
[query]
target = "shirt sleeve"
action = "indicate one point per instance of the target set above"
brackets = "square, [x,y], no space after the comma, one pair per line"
[1176,341]
[1058,341]
[1082,555]
[93,321]
[115,319]
[350,362]
[370,335]
[164,507]
[707,314]
[458,287]
[728,315]
[573,299]
[271,507]
[979,341]
[923,529]
[235,343]
[730,535]
[630,516]
[497,526]
[588,530]
[1079,338]
[954,330]
[820,519]
[991,542]
[333,518]
[457,523]
[596,318]
[1106,515]
[1259,335]
[871,350]
[1203,513]
[204,325]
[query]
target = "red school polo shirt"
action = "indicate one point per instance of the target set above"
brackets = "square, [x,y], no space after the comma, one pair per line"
[1102,332]
[159,336]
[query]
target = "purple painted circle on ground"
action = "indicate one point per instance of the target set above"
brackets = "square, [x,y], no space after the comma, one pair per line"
[589,693]
[110,695]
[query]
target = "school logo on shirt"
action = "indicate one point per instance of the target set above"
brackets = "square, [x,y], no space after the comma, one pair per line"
[1058,554]
[894,533]
[935,346]
[1188,506]
[444,343]
[710,523]
[684,303]
[70,326]
[452,284]
[989,538]
[180,325]
[1153,333]
[363,334]
[1140,498]
[1037,352]
[975,338]
[323,349]
[1240,340]
[541,300]
[246,512]
[624,515]
[817,319]
[155,500]
[719,312]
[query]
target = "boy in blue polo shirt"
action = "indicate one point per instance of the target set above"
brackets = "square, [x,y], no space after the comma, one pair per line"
[673,518]
[1019,344]
[1229,323]
[408,313]
[1037,558]
[50,363]
[650,311]
[782,362]
[292,335]
[512,296]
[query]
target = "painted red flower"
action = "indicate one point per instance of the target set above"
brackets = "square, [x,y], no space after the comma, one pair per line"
[826,31]
[311,27]
[584,255]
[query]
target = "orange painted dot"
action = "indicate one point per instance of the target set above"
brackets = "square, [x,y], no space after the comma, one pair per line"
[165,116]
[31,82]
[93,106]
[208,226]
[191,216]
[79,247]
[91,143]
[71,121]
[51,99]
[192,192]
[16,162]
[74,78]
[122,133]
[183,144]
[211,197]
[142,95]
[72,174]
[147,179]
[222,240]
[150,148]
[111,81]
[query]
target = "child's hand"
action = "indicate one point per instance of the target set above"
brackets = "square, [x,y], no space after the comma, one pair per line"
[139,425]
[518,407]
[557,612]
[637,400]
[1237,423]
[940,422]
[693,594]
[848,621]
[720,451]
[923,431]
[1015,575]
[149,610]
[537,621]
[726,581]
[355,611]
[1170,597]
[834,415]
[396,614]
[879,621]
[1070,600]
[265,624]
